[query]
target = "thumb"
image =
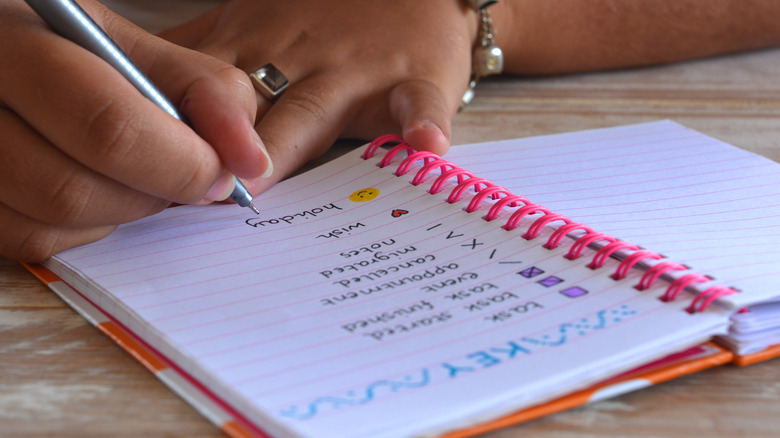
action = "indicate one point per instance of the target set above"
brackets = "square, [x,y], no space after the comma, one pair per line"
[423,114]
[221,107]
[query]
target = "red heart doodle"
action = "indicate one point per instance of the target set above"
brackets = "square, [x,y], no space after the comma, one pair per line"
[398,212]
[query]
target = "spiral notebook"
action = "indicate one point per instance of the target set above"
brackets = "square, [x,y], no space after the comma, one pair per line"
[391,292]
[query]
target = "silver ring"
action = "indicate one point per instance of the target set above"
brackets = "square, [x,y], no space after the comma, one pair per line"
[269,81]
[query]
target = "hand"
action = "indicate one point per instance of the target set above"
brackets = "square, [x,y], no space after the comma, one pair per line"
[81,150]
[357,68]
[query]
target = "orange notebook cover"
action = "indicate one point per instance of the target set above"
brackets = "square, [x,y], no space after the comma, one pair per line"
[203,400]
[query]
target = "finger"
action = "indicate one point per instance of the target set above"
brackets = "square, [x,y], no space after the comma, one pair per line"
[304,122]
[34,241]
[44,184]
[217,98]
[197,35]
[226,119]
[112,128]
[95,116]
[424,115]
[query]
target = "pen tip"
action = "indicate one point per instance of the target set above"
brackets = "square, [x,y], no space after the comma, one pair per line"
[252,206]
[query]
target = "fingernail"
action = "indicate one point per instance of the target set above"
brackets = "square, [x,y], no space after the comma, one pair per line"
[269,170]
[426,134]
[220,190]
[429,124]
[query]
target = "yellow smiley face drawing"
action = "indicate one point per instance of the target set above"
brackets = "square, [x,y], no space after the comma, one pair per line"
[364,195]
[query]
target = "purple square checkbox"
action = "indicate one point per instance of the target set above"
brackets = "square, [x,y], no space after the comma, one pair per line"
[531,272]
[574,292]
[550,281]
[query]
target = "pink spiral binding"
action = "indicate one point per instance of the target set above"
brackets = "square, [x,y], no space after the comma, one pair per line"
[402,147]
[563,230]
[460,174]
[704,299]
[536,226]
[681,283]
[603,254]
[513,220]
[630,261]
[656,271]
[427,157]
[512,201]
[441,163]
[580,244]
[376,144]
[495,192]
[457,192]
[484,188]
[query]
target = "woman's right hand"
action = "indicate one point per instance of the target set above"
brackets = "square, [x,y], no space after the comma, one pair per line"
[81,150]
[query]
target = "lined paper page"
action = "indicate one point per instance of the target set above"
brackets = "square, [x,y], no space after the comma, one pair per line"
[694,199]
[358,304]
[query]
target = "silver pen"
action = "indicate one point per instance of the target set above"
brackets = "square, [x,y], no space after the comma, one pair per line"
[70,21]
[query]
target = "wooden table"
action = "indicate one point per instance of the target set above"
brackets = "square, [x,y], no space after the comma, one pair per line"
[59,377]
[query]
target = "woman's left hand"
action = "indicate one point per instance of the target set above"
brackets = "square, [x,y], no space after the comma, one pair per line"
[357,69]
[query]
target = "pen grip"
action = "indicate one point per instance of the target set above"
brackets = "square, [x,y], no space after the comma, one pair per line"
[69,20]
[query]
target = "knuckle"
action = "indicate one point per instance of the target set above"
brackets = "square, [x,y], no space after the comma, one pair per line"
[76,202]
[157,205]
[192,185]
[70,200]
[217,74]
[237,82]
[233,75]
[311,105]
[38,243]
[110,135]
